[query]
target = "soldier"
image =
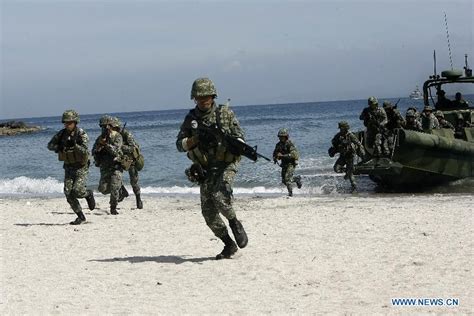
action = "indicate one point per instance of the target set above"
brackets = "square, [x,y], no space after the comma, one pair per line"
[428,120]
[394,120]
[107,153]
[70,144]
[214,165]
[443,103]
[459,127]
[347,145]
[443,123]
[131,150]
[459,102]
[286,151]
[412,123]
[375,120]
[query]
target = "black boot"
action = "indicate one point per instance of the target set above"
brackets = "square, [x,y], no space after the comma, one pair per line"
[90,200]
[79,220]
[139,201]
[230,248]
[113,209]
[239,232]
[298,182]
[290,191]
[123,193]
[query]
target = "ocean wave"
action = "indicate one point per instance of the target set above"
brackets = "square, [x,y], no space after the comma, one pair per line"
[25,186]
[28,186]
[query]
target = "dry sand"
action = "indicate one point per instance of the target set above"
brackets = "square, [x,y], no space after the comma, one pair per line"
[339,254]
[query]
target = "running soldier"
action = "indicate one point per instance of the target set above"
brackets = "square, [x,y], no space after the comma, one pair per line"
[107,151]
[286,152]
[347,145]
[70,144]
[214,165]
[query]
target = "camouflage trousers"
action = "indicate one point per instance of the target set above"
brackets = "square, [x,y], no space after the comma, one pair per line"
[287,176]
[377,141]
[348,162]
[216,198]
[133,173]
[75,180]
[110,182]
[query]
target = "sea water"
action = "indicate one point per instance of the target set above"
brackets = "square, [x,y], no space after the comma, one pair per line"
[28,168]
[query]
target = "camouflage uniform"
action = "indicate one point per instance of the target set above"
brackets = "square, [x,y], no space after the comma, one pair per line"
[461,123]
[71,147]
[394,120]
[375,120]
[219,164]
[129,147]
[107,156]
[428,120]
[443,123]
[411,122]
[347,145]
[289,159]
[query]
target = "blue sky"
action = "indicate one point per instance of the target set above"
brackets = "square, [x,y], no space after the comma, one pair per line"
[113,56]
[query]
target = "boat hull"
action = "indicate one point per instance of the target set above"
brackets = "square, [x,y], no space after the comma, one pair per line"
[421,159]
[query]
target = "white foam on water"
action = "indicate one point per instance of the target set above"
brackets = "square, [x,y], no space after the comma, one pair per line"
[28,186]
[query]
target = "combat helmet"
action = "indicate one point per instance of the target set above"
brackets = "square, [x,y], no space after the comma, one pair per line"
[372,101]
[387,105]
[283,132]
[115,122]
[439,114]
[203,87]
[344,125]
[70,116]
[428,108]
[410,113]
[106,120]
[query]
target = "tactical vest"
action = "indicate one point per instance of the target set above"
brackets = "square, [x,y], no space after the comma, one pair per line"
[216,150]
[71,155]
[135,157]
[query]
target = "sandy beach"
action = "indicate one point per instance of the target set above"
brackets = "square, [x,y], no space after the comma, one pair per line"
[333,254]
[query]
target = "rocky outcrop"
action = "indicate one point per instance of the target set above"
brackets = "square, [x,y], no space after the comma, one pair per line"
[16,127]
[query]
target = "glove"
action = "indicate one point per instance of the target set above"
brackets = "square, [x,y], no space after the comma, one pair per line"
[332,152]
[190,142]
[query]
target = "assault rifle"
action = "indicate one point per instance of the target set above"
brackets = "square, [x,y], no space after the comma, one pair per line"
[236,146]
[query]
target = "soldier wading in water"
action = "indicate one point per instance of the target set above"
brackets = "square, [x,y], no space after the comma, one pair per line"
[70,144]
[214,166]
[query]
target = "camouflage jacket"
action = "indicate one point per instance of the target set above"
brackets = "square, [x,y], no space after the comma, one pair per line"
[374,119]
[129,143]
[76,140]
[429,121]
[414,125]
[211,149]
[289,152]
[445,124]
[347,144]
[394,119]
[110,153]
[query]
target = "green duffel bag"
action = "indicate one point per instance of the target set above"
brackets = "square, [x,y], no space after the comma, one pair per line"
[140,162]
